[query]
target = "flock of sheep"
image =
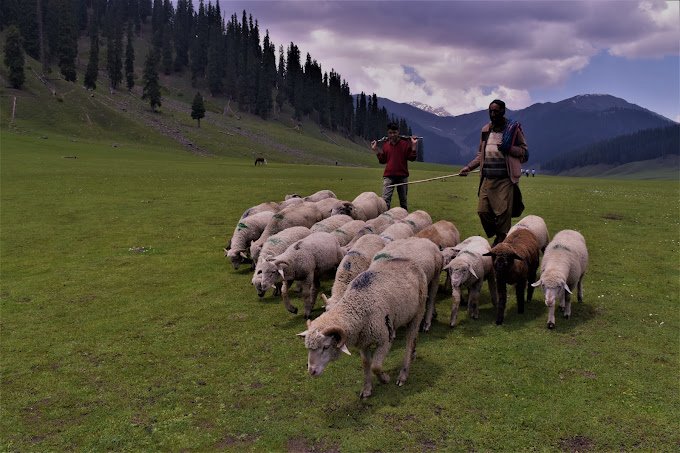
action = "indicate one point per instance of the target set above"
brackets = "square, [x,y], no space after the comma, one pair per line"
[386,266]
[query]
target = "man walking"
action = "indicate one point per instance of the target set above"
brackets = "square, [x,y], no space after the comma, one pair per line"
[395,153]
[501,153]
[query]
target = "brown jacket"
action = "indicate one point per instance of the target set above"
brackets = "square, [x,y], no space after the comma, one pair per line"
[517,155]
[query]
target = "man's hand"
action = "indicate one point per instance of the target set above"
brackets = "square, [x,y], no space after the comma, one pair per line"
[464,171]
[374,146]
[414,143]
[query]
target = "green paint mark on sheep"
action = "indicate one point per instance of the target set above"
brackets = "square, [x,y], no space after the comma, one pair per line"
[241,226]
[274,241]
[382,256]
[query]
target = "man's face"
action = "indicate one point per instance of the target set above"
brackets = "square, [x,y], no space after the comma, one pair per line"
[393,136]
[495,113]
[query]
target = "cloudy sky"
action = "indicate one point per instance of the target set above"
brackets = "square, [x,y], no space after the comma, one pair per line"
[462,54]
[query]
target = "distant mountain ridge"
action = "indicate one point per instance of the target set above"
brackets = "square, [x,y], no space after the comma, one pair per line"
[551,128]
[439,111]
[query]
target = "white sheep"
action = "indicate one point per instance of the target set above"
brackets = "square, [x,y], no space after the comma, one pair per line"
[468,269]
[379,224]
[290,202]
[427,256]
[443,233]
[303,214]
[332,206]
[418,220]
[316,196]
[274,246]
[388,295]
[537,226]
[397,231]
[331,223]
[270,206]
[564,264]
[367,205]
[348,231]
[357,260]
[305,261]
[247,230]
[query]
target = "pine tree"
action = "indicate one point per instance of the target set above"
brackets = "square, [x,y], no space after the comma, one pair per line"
[215,67]
[14,57]
[92,70]
[198,108]
[67,40]
[152,88]
[114,45]
[281,80]
[129,60]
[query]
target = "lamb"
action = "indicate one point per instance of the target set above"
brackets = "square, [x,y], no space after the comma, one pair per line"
[426,255]
[469,268]
[305,261]
[304,214]
[331,223]
[274,246]
[397,231]
[357,260]
[443,234]
[388,295]
[536,225]
[367,205]
[564,263]
[247,230]
[515,261]
[348,231]
[418,220]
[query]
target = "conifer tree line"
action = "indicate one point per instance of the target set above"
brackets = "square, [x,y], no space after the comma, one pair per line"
[228,57]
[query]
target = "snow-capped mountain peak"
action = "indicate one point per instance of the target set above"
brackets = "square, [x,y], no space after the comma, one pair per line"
[439,111]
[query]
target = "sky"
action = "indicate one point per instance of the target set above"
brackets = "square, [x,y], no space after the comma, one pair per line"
[460,55]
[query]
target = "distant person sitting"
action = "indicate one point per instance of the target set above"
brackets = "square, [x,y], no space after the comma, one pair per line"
[395,153]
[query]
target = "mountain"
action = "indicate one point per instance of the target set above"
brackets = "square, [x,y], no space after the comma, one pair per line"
[551,128]
[439,111]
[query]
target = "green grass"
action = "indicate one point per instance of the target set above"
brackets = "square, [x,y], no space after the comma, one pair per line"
[105,348]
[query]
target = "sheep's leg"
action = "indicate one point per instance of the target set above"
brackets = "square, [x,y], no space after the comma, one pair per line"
[551,316]
[455,303]
[378,359]
[531,279]
[286,299]
[432,294]
[368,375]
[308,294]
[492,289]
[277,289]
[447,282]
[502,300]
[519,290]
[580,289]
[411,337]
[473,299]
[567,305]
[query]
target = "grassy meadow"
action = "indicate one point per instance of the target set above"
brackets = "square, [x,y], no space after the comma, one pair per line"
[124,327]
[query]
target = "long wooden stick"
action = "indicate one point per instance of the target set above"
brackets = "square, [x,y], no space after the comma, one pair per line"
[429,179]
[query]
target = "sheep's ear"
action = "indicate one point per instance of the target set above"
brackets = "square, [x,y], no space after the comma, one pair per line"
[515,256]
[536,283]
[566,288]
[243,255]
[338,334]
[281,274]
[345,350]
[325,299]
[303,334]
[226,251]
[472,271]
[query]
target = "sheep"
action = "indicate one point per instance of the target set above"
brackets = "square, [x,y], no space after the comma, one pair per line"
[536,225]
[274,246]
[331,223]
[426,255]
[332,206]
[303,214]
[269,206]
[357,260]
[564,263]
[469,268]
[304,261]
[348,231]
[397,231]
[246,231]
[388,295]
[367,205]
[443,234]
[320,195]
[515,261]
[418,220]
[379,224]
[290,202]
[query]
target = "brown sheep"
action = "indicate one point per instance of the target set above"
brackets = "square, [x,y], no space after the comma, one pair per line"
[515,262]
[443,234]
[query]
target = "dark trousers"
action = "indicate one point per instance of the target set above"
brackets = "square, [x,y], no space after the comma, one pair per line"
[402,191]
[495,207]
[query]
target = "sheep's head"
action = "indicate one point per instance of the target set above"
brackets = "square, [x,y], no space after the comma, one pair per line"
[292,195]
[503,260]
[345,208]
[448,254]
[552,290]
[237,257]
[323,347]
[460,272]
[267,275]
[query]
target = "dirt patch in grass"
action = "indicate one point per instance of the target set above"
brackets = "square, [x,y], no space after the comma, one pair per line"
[576,444]
[302,445]
[242,441]
[612,216]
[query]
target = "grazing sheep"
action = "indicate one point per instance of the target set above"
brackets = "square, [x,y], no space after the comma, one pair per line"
[397,231]
[379,224]
[469,268]
[292,195]
[564,263]
[367,205]
[515,261]
[348,231]
[246,231]
[357,260]
[388,295]
[269,206]
[305,261]
[418,220]
[274,246]
[303,214]
[331,223]
[536,225]
[443,234]
[290,202]
[332,206]
[320,195]
[426,255]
